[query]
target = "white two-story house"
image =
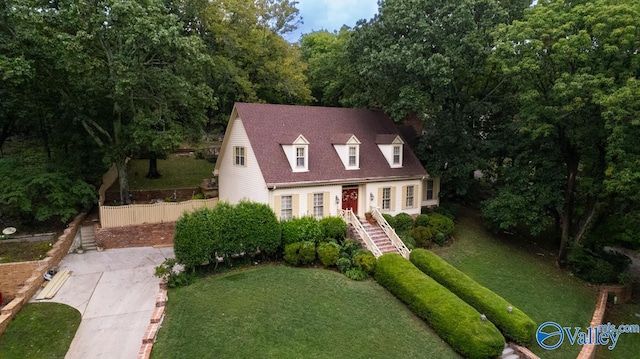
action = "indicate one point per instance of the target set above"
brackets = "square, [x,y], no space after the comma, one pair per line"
[314,161]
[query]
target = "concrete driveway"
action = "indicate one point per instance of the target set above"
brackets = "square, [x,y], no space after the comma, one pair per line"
[115,291]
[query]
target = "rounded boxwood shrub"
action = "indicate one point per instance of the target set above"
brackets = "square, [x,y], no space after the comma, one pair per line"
[455,321]
[302,229]
[440,238]
[300,253]
[408,241]
[404,222]
[334,227]
[343,264]
[422,236]
[421,221]
[515,325]
[292,253]
[328,253]
[440,223]
[365,261]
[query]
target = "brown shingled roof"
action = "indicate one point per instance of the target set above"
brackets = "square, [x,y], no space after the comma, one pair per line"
[266,126]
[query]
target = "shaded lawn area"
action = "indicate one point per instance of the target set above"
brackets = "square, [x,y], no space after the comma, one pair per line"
[284,312]
[40,330]
[628,345]
[531,282]
[178,171]
[24,251]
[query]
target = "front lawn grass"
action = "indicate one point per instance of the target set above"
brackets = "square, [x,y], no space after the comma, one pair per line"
[284,312]
[40,330]
[178,171]
[523,277]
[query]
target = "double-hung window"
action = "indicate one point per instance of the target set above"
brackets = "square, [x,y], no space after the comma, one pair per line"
[318,205]
[286,208]
[386,198]
[239,156]
[409,199]
[352,155]
[429,190]
[300,157]
[396,155]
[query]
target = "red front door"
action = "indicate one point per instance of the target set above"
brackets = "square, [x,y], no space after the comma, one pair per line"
[350,199]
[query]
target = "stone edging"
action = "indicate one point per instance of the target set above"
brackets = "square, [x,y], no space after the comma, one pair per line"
[54,256]
[155,322]
[588,351]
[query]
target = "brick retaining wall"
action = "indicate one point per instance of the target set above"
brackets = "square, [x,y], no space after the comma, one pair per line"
[144,235]
[34,273]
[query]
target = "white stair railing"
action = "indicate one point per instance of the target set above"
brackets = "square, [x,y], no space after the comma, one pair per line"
[390,232]
[350,218]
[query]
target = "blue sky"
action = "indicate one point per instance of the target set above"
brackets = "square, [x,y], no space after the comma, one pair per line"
[331,14]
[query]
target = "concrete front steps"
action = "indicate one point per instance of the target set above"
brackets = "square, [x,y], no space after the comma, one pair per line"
[88,237]
[379,237]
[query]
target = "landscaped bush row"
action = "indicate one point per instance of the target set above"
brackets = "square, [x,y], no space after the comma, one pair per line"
[425,229]
[514,323]
[225,230]
[350,259]
[247,228]
[456,322]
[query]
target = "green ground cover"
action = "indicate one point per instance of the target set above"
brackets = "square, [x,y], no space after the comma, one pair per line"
[24,251]
[40,330]
[178,171]
[524,277]
[284,312]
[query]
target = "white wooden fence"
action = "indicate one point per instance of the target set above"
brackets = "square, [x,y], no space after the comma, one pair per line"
[134,214]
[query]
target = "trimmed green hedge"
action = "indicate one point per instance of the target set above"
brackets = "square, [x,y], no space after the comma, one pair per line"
[515,325]
[454,320]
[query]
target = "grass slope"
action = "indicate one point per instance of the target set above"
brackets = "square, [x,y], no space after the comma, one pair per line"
[40,330]
[178,171]
[284,312]
[531,282]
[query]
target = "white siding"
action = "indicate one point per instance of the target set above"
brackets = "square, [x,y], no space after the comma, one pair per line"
[238,182]
[397,196]
[343,153]
[304,197]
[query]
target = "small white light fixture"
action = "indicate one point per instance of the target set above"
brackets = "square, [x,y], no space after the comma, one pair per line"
[483,317]
[509,309]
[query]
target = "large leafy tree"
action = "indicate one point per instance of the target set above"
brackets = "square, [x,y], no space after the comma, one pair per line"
[576,65]
[428,59]
[252,61]
[330,73]
[135,80]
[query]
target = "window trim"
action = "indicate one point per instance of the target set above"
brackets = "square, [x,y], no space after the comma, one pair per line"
[318,205]
[353,156]
[239,156]
[386,199]
[300,157]
[397,157]
[286,213]
[410,196]
[429,190]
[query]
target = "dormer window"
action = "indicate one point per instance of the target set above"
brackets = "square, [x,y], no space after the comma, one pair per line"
[391,146]
[296,148]
[353,156]
[300,157]
[397,154]
[347,147]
